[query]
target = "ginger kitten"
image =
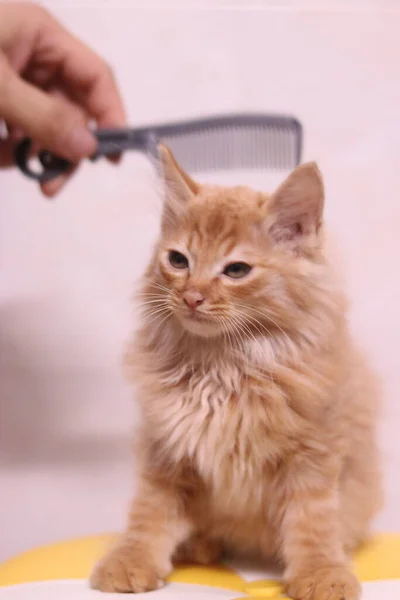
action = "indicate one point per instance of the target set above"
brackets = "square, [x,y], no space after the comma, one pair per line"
[259,412]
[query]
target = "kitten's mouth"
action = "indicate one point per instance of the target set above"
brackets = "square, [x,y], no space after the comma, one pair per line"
[198,323]
[197,317]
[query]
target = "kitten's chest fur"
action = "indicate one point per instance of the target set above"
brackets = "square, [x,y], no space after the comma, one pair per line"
[227,425]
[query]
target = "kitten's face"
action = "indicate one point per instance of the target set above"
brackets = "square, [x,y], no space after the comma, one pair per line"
[214,261]
[223,263]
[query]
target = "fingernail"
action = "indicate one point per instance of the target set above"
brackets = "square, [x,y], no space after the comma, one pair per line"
[115,158]
[80,143]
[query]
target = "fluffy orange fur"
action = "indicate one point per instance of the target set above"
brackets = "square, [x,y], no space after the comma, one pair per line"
[259,412]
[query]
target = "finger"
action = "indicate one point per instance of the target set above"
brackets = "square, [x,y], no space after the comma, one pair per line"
[6,153]
[92,84]
[84,74]
[58,91]
[115,159]
[90,81]
[14,133]
[50,121]
[62,91]
[52,188]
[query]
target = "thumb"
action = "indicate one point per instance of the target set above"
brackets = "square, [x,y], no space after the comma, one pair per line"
[54,124]
[6,153]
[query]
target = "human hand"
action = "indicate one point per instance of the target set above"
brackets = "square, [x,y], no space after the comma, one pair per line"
[51,86]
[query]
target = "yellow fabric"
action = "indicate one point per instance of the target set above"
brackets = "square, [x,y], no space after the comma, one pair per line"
[377,560]
[263,588]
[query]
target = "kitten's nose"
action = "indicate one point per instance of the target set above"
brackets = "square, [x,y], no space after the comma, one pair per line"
[193,298]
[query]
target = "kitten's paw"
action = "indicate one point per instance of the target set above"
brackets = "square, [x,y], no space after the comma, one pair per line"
[126,569]
[329,583]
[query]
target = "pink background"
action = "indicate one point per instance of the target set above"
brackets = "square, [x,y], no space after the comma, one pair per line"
[68,267]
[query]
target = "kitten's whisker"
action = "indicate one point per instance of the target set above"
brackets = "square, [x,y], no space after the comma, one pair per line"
[151,307]
[152,302]
[153,313]
[239,328]
[280,328]
[159,323]
[238,315]
[147,295]
[225,331]
[157,285]
[247,328]
[167,316]
[155,322]
[254,320]
[242,335]
[268,317]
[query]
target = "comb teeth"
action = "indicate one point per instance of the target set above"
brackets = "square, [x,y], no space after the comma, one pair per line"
[271,146]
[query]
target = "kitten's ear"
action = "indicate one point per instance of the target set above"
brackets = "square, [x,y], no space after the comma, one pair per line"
[296,207]
[178,184]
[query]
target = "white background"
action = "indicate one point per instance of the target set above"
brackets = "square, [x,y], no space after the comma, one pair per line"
[68,266]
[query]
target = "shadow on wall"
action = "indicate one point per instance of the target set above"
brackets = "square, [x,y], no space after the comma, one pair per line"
[50,415]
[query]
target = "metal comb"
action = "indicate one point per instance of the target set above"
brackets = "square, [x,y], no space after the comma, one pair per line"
[249,141]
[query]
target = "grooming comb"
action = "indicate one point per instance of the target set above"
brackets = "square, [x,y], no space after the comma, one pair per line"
[250,141]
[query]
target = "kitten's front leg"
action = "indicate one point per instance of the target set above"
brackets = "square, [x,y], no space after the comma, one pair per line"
[141,559]
[316,563]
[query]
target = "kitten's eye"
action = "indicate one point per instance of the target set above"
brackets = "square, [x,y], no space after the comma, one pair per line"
[237,270]
[178,260]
